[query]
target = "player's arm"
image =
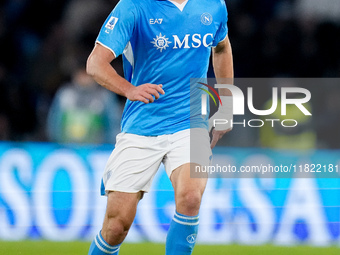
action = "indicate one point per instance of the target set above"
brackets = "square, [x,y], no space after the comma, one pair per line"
[224,72]
[99,67]
[223,65]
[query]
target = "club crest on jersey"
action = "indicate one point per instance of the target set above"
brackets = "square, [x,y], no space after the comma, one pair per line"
[111,23]
[161,42]
[206,18]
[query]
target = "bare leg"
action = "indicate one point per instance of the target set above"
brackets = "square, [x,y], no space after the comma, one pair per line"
[120,213]
[188,191]
[184,226]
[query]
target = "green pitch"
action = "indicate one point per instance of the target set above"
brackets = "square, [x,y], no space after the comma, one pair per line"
[74,248]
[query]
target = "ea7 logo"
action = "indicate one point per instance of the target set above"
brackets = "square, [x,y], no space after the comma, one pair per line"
[155,21]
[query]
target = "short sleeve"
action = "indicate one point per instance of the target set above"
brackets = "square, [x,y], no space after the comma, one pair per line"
[222,31]
[118,27]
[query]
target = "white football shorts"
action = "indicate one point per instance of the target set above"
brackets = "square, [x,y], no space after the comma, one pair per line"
[136,159]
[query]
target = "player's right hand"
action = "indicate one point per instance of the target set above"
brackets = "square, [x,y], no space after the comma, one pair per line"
[146,93]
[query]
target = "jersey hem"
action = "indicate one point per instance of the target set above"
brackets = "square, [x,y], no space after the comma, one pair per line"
[154,134]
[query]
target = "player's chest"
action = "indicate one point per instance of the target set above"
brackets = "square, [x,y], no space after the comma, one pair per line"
[163,29]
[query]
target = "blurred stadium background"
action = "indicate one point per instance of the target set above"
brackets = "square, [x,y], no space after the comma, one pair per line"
[54,147]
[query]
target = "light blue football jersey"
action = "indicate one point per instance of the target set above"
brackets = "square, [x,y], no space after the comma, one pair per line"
[162,44]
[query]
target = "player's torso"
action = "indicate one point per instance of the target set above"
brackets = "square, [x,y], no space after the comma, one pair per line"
[169,47]
[165,27]
[181,39]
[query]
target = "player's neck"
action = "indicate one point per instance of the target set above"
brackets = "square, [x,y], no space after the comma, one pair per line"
[179,1]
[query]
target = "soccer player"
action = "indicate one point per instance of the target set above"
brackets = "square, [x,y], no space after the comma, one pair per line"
[164,43]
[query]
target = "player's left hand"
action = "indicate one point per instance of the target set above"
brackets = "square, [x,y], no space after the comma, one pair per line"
[217,135]
[225,116]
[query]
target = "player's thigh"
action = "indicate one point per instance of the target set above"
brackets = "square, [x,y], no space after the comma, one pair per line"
[184,184]
[121,207]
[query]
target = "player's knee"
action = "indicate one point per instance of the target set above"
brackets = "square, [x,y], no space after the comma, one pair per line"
[190,201]
[116,230]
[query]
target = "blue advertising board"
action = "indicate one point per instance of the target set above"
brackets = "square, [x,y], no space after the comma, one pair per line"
[51,192]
